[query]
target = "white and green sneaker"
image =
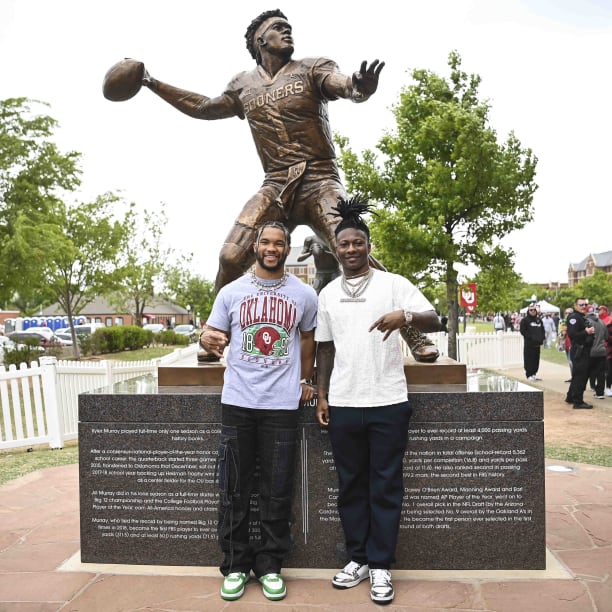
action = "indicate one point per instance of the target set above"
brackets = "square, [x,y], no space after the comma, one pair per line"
[273,586]
[233,585]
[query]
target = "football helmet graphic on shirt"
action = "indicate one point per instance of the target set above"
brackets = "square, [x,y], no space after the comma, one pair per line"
[265,337]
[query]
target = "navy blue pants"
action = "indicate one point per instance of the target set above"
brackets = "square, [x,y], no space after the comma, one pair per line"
[250,438]
[368,446]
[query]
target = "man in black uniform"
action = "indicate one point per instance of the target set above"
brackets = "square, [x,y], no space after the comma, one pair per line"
[532,330]
[580,333]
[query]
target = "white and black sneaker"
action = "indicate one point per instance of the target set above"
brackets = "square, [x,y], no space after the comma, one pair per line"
[352,574]
[381,587]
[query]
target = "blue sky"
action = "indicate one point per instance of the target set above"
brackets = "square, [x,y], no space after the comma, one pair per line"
[544,67]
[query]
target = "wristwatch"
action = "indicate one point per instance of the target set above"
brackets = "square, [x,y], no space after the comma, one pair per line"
[408,316]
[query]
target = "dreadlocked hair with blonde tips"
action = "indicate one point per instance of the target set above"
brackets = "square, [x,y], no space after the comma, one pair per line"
[351,211]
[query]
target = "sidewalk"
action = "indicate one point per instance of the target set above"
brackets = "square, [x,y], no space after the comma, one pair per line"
[40,569]
[553,377]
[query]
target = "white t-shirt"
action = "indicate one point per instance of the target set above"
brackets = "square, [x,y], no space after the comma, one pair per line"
[367,371]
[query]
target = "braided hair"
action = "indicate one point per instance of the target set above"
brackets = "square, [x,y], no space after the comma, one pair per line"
[350,211]
[250,33]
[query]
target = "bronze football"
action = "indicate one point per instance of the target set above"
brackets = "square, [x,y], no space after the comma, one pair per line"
[123,80]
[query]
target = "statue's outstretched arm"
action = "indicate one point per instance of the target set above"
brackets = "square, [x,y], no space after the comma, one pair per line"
[192,104]
[358,87]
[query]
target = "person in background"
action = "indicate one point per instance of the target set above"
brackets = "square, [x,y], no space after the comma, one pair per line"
[498,322]
[268,318]
[363,398]
[581,337]
[550,330]
[532,330]
[598,354]
[606,319]
[563,340]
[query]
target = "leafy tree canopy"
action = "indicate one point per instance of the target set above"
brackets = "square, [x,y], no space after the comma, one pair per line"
[143,263]
[34,176]
[447,190]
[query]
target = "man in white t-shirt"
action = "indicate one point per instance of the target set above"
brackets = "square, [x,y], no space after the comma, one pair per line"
[363,397]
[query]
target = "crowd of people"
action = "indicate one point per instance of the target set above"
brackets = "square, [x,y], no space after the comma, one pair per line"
[584,334]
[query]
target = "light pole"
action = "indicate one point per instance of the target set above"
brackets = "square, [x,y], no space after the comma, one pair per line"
[188,307]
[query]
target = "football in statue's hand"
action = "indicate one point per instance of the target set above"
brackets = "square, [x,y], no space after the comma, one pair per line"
[123,80]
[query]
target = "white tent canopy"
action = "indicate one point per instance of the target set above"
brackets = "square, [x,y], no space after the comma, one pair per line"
[545,308]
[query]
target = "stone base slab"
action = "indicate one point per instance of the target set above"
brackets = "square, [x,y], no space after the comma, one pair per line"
[443,371]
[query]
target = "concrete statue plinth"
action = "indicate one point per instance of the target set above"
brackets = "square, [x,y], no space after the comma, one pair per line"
[474,475]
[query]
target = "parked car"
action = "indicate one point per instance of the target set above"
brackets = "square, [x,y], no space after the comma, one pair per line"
[154,327]
[44,339]
[46,332]
[64,336]
[87,328]
[187,330]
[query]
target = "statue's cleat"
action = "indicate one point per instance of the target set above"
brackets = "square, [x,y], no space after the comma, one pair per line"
[421,347]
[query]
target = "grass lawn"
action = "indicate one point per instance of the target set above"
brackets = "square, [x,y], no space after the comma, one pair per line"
[153,352]
[18,462]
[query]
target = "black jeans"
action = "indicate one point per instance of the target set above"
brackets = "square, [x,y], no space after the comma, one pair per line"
[597,374]
[531,359]
[580,373]
[369,446]
[268,439]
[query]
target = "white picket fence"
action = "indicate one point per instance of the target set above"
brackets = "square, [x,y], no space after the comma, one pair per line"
[493,351]
[40,403]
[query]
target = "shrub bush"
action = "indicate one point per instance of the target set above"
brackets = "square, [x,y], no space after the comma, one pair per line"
[121,338]
[24,352]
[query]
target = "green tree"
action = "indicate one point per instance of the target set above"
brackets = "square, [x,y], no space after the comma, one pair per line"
[566,296]
[497,289]
[142,265]
[84,256]
[447,190]
[34,176]
[194,290]
[597,288]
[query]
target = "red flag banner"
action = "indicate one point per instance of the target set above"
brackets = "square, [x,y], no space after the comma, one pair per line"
[468,298]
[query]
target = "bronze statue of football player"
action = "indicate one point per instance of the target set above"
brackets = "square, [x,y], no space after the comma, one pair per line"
[285,103]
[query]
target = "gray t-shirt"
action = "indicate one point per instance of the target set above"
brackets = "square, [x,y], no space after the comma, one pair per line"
[263,363]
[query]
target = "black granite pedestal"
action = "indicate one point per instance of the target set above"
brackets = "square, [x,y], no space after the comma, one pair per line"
[474,479]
